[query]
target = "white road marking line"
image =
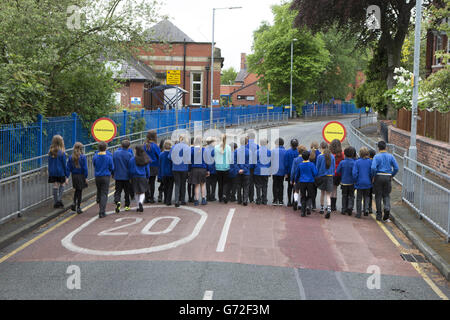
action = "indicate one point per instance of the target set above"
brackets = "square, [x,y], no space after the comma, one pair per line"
[300,285]
[341,282]
[226,227]
[67,242]
[208,295]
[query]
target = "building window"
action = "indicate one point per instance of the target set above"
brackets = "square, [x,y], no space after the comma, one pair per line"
[196,88]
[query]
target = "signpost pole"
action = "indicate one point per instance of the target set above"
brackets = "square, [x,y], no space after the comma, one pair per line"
[176,107]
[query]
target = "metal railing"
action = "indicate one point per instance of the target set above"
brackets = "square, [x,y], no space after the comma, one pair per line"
[25,183]
[424,189]
[24,189]
[255,121]
[430,199]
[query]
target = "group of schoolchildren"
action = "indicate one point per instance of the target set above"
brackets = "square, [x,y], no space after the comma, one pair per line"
[236,171]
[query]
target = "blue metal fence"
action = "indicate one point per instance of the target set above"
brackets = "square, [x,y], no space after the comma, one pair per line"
[19,142]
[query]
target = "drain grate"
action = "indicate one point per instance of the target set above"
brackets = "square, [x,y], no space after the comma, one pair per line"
[413,258]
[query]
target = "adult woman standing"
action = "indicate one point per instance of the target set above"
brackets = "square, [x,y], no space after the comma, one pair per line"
[222,159]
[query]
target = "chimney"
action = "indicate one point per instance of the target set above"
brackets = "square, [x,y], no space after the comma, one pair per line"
[243,61]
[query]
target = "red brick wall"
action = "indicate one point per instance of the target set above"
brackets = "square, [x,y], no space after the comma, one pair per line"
[435,154]
[192,50]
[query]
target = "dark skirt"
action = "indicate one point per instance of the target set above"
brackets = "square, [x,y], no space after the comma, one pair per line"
[79,181]
[197,176]
[53,179]
[140,185]
[325,183]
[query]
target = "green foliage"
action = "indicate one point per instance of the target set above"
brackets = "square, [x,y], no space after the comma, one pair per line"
[436,91]
[22,93]
[57,46]
[228,76]
[370,94]
[272,58]
[345,61]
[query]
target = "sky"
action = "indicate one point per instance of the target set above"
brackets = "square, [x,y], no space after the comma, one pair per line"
[233,29]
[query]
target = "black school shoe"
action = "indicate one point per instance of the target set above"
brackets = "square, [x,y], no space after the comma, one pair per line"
[177,204]
[327,216]
[349,212]
[386,215]
[245,204]
[378,216]
[366,214]
[73,207]
[79,211]
[141,208]
[308,211]
[295,205]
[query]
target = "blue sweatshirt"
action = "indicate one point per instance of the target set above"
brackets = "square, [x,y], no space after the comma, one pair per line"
[362,173]
[103,164]
[253,148]
[278,155]
[130,150]
[121,159]
[165,165]
[321,166]
[209,159]
[198,157]
[138,171]
[243,160]
[263,162]
[294,166]
[345,169]
[153,152]
[289,157]
[234,169]
[306,172]
[57,167]
[384,162]
[82,163]
[180,155]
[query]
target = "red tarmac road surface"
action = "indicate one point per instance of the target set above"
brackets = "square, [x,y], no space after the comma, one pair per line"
[261,235]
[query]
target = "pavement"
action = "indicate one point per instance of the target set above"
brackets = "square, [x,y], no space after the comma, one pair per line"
[231,251]
[430,242]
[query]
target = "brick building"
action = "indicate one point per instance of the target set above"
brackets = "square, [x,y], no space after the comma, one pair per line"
[245,88]
[436,41]
[172,49]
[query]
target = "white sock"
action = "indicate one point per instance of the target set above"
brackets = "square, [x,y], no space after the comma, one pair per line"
[141,198]
[296,197]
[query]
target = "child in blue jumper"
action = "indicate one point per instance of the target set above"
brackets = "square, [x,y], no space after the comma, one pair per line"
[325,164]
[77,165]
[57,169]
[153,151]
[121,159]
[139,170]
[262,172]
[104,168]
[243,164]
[289,157]
[279,172]
[233,174]
[362,176]
[304,176]
[198,171]
[345,170]
[165,172]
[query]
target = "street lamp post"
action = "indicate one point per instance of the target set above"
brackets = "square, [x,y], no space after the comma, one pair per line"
[292,58]
[412,147]
[212,61]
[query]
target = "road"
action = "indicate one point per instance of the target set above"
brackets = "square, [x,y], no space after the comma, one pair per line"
[219,252]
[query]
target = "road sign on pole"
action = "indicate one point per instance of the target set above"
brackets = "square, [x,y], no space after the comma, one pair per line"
[104,129]
[173,77]
[334,130]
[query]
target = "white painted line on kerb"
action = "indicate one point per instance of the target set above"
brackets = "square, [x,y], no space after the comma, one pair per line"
[226,227]
[208,295]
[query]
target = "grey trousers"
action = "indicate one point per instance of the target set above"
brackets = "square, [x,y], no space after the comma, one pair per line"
[362,197]
[102,184]
[382,189]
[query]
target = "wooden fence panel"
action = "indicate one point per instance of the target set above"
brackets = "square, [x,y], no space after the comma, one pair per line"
[433,124]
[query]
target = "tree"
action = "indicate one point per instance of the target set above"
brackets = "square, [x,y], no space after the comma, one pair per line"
[345,61]
[58,46]
[271,58]
[351,19]
[228,76]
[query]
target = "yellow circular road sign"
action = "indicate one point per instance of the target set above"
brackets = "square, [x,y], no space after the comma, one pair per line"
[104,129]
[334,130]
